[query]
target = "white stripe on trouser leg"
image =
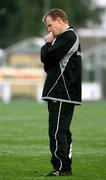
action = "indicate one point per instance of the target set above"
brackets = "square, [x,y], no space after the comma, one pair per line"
[56,136]
[70,151]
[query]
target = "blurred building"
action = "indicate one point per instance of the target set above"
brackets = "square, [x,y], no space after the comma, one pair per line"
[91,37]
[21,72]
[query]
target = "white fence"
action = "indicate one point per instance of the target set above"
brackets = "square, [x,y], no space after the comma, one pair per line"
[90,91]
[32,88]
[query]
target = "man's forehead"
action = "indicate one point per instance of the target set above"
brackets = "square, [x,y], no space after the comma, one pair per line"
[49,21]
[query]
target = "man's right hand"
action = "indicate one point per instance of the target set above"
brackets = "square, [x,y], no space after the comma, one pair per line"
[49,37]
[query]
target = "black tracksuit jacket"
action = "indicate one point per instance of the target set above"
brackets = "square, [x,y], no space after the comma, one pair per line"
[62,63]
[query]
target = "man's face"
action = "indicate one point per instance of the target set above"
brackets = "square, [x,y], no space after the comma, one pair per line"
[53,26]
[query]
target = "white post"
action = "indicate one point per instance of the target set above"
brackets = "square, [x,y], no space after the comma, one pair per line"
[6,92]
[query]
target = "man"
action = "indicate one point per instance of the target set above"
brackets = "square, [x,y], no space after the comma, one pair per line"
[61,56]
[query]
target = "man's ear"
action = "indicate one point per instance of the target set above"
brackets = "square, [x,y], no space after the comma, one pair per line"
[59,20]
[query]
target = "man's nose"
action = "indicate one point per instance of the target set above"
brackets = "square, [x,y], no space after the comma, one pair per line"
[49,30]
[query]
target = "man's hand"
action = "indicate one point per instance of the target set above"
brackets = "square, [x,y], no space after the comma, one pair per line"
[49,37]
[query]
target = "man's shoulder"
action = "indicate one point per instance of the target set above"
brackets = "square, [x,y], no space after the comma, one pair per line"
[69,33]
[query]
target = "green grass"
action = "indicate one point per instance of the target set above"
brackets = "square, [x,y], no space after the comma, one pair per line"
[24,149]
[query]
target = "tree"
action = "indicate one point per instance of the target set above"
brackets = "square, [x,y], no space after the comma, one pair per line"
[20,19]
[80,12]
[8,23]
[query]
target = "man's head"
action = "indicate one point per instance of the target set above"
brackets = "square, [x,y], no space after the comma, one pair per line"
[56,21]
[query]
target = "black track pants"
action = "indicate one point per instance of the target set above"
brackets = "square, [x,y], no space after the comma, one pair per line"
[60,116]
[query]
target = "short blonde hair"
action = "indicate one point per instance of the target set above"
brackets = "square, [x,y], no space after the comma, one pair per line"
[54,13]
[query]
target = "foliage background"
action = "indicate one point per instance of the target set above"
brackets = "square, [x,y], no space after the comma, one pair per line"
[20,19]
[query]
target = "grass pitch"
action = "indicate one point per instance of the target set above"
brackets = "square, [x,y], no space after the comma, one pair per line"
[24,149]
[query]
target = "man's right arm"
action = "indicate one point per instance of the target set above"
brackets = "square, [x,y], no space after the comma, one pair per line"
[55,52]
